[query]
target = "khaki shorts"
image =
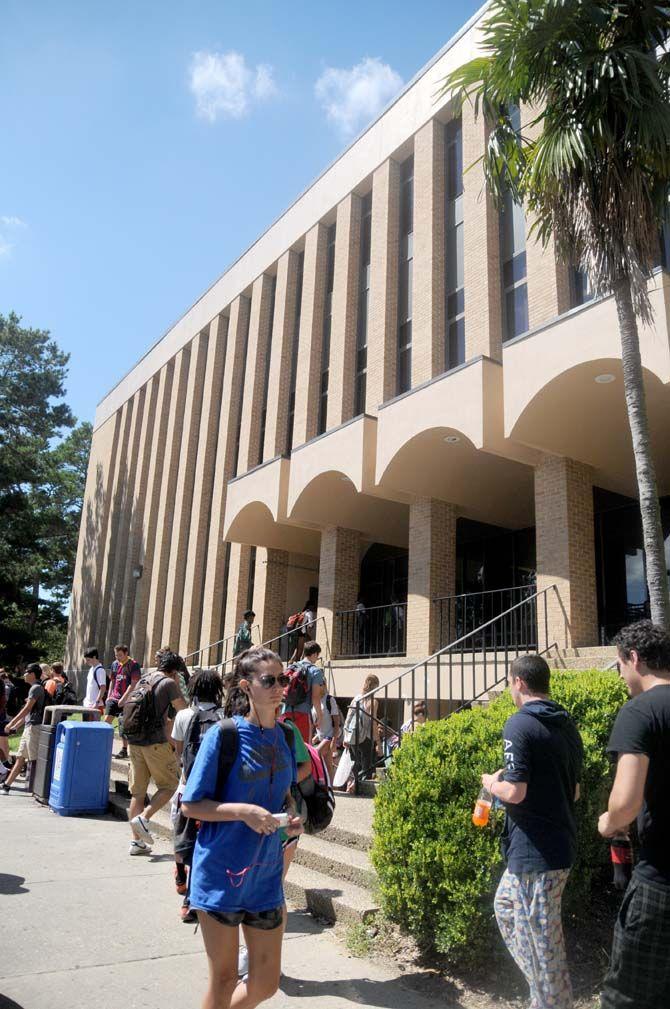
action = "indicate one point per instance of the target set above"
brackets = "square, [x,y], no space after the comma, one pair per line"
[157,762]
[29,744]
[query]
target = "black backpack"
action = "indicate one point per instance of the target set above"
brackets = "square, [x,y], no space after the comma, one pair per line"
[296,690]
[199,724]
[140,714]
[64,694]
[185,828]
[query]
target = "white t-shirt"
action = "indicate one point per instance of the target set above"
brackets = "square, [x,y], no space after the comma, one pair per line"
[181,723]
[97,677]
[329,708]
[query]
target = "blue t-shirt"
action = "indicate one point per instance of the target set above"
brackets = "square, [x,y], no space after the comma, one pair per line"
[543,748]
[234,868]
[314,675]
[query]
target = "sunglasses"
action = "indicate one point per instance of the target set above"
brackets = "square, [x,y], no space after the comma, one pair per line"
[267,680]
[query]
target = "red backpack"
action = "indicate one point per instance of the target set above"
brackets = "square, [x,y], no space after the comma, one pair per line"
[297,689]
[294,622]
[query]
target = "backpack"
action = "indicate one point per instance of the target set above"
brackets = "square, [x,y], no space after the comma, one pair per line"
[297,689]
[317,795]
[294,622]
[201,723]
[64,694]
[186,828]
[140,716]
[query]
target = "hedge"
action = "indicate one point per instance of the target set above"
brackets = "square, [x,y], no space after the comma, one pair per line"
[437,872]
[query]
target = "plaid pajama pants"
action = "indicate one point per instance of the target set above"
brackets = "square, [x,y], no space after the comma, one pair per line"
[639,972]
[528,912]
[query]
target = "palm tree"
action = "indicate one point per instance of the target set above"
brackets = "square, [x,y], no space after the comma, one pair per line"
[592,165]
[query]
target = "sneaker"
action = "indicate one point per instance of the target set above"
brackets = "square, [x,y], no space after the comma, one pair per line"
[243,963]
[139,848]
[141,829]
[187,914]
[123,753]
[6,788]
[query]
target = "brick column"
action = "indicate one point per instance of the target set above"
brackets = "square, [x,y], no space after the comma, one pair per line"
[481,247]
[345,311]
[566,552]
[311,335]
[203,486]
[183,491]
[148,530]
[547,277]
[280,363]
[161,561]
[238,586]
[384,260]
[213,603]
[428,306]
[270,590]
[260,324]
[339,577]
[431,571]
[130,582]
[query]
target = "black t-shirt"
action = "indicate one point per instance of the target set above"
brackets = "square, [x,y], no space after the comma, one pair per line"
[643,726]
[542,748]
[38,694]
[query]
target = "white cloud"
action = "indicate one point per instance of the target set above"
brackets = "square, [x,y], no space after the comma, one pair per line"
[8,223]
[352,98]
[5,247]
[12,222]
[224,85]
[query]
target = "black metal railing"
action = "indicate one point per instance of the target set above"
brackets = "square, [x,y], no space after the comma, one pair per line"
[285,646]
[218,651]
[468,612]
[374,631]
[455,677]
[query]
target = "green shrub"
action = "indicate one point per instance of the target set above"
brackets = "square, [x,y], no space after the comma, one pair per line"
[437,872]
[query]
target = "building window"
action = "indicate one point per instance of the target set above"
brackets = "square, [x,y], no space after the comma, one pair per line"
[454,350]
[294,353]
[580,287]
[238,435]
[327,323]
[404,354]
[363,307]
[266,377]
[252,578]
[513,256]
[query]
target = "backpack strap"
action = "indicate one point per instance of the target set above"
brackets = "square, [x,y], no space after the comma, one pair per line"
[288,736]
[230,743]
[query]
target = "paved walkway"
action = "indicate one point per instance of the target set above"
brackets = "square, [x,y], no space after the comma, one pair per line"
[85,925]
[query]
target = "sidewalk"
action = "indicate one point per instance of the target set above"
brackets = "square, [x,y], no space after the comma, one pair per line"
[85,925]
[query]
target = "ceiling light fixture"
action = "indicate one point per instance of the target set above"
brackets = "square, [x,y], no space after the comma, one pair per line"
[452,439]
[604,379]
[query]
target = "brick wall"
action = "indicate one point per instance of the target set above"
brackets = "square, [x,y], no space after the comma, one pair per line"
[384,259]
[339,577]
[345,312]
[311,336]
[431,571]
[428,308]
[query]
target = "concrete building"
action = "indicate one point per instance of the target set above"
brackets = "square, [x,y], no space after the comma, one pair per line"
[395,397]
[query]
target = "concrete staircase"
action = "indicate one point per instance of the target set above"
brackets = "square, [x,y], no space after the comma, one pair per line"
[331,875]
[596,657]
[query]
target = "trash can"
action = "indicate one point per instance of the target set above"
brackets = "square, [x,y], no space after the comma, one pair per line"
[81,766]
[40,779]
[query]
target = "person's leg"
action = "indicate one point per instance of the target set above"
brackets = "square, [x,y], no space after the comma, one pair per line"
[289,854]
[27,751]
[15,771]
[510,906]
[639,971]
[138,781]
[164,770]
[264,948]
[552,978]
[221,946]
[324,748]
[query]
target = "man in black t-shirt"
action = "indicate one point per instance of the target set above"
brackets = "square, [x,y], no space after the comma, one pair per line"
[543,756]
[30,716]
[639,973]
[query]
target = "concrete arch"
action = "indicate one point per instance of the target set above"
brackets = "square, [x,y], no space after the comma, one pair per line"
[255,525]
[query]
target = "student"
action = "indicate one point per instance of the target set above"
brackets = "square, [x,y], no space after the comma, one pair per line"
[538,786]
[639,972]
[301,713]
[5,690]
[96,680]
[420,712]
[305,631]
[361,732]
[237,865]
[243,636]
[326,738]
[30,714]
[124,675]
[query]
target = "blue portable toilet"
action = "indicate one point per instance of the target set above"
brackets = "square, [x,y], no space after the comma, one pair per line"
[82,762]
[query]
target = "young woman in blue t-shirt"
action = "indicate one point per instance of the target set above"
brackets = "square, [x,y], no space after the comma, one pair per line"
[237,864]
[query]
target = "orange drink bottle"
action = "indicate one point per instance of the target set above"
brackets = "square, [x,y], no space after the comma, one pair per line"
[480,817]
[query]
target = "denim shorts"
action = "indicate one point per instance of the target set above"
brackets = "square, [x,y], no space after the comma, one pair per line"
[264,920]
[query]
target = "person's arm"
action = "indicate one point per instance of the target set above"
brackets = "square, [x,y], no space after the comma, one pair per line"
[509,792]
[179,703]
[295,825]
[510,784]
[316,703]
[19,719]
[210,811]
[102,687]
[627,795]
[337,725]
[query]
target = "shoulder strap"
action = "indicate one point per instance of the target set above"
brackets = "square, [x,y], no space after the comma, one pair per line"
[227,754]
[289,736]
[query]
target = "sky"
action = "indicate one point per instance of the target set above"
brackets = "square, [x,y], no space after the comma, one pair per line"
[146,145]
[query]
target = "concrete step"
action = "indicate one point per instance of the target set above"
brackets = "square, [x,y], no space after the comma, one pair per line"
[599,651]
[330,898]
[335,861]
[582,662]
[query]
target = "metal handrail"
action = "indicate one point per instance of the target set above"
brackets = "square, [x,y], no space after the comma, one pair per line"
[374,631]
[215,644]
[474,643]
[457,614]
[483,592]
[223,667]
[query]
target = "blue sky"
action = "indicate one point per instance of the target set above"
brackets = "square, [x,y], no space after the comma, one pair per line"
[146,145]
